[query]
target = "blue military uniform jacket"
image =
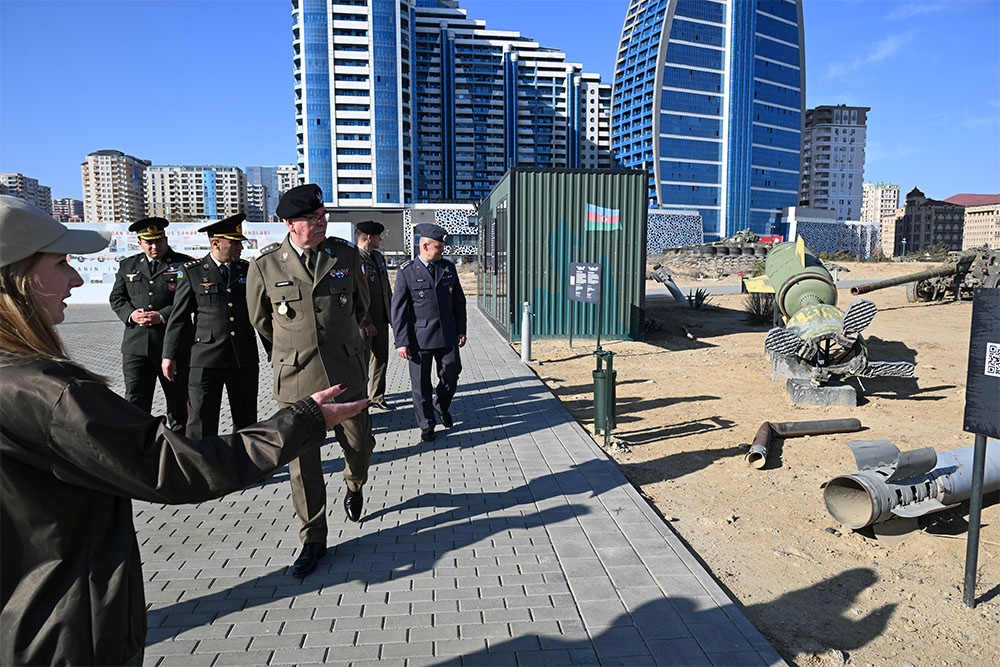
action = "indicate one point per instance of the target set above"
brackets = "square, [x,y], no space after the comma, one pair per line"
[136,286]
[223,335]
[428,313]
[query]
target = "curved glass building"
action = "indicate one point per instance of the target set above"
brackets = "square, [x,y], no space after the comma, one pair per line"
[709,95]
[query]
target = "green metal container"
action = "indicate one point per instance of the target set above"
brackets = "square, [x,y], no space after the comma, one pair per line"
[799,278]
[535,222]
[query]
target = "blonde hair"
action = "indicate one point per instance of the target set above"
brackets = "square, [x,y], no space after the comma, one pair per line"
[24,330]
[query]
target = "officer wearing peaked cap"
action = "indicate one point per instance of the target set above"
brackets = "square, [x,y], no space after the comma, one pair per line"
[212,291]
[143,297]
[429,322]
[375,327]
[308,297]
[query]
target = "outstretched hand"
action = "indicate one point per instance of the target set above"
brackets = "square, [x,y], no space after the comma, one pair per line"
[335,413]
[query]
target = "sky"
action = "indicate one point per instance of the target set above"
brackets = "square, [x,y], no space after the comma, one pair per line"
[210,81]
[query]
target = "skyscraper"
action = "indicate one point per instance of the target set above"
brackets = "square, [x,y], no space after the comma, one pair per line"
[833,159]
[878,201]
[710,96]
[411,101]
[268,178]
[112,187]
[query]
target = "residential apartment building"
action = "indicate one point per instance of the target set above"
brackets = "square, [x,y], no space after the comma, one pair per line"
[411,101]
[981,223]
[878,201]
[923,222]
[833,159]
[710,97]
[28,189]
[67,210]
[288,178]
[258,198]
[113,187]
[195,193]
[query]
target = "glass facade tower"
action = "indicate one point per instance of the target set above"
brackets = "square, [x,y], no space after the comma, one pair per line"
[709,96]
[406,101]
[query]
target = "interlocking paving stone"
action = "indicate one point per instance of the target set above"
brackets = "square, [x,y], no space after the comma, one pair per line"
[511,538]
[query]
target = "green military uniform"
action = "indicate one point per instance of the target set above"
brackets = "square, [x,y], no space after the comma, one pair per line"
[377,275]
[312,323]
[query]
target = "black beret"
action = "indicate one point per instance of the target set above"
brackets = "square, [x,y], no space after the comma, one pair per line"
[230,228]
[429,230]
[149,229]
[299,201]
[370,227]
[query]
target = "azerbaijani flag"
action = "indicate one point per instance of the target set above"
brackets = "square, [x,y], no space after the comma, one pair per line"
[600,219]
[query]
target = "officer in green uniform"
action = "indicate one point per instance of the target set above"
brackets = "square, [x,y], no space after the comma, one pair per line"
[143,297]
[213,290]
[308,297]
[375,327]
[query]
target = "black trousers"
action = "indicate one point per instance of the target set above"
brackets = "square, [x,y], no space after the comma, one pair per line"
[205,390]
[425,402]
[141,373]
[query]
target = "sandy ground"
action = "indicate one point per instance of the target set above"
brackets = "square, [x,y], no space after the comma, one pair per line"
[687,406]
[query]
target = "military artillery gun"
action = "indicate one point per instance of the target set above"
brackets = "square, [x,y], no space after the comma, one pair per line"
[960,276]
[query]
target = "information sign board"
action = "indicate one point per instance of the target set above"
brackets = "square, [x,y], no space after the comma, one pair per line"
[585,282]
[982,389]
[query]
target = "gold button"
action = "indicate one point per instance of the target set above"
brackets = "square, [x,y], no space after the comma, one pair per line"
[228,290]
[232,319]
[230,305]
[232,333]
[150,282]
[150,294]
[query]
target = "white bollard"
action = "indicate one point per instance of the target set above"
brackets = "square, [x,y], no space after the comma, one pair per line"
[526,333]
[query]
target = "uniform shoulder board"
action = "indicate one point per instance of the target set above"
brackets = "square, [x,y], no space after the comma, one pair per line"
[243,261]
[188,265]
[337,239]
[405,264]
[269,249]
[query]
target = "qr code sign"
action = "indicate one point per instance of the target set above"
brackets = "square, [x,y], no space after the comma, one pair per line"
[993,359]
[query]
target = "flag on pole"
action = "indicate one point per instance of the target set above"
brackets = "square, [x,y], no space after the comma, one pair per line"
[600,219]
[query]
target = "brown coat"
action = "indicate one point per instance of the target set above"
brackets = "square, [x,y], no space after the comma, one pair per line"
[312,323]
[74,456]
[377,276]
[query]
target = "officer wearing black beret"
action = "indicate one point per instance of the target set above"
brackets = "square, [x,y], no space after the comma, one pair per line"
[375,327]
[213,290]
[429,322]
[308,296]
[143,297]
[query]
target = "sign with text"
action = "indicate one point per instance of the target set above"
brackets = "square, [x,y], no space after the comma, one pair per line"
[585,282]
[982,389]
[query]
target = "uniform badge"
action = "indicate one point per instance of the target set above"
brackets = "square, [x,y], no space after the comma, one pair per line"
[363,272]
[420,294]
[343,300]
[283,283]
[341,273]
[284,255]
[282,308]
[207,285]
[131,276]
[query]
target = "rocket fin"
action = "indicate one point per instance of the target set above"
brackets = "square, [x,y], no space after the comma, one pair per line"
[928,506]
[913,462]
[894,531]
[858,316]
[873,453]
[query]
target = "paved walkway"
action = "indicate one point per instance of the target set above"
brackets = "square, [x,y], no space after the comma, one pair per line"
[510,540]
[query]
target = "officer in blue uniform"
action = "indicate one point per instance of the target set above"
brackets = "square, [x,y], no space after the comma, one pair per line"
[143,297]
[213,290]
[429,321]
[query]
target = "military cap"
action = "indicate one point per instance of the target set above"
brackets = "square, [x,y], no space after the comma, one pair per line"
[230,228]
[26,229]
[149,229]
[299,201]
[370,227]
[429,230]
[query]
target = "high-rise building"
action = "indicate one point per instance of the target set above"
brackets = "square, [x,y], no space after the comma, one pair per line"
[411,101]
[113,187]
[288,178]
[923,222]
[258,197]
[833,159]
[195,193]
[878,201]
[709,97]
[595,144]
[28,189]
[67,210]
[981,220]
[267,177]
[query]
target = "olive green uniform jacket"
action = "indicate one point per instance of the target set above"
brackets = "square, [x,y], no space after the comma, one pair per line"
[311,322]
[74,456]
[377,276]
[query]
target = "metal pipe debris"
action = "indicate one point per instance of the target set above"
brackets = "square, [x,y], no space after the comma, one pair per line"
[756,456]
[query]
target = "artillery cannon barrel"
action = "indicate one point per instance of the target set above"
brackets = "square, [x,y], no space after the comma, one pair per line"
[947,270]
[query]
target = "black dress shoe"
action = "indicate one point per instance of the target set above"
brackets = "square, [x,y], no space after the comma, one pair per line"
[353,502]
[445,418]
[382,405]
[308,558]
[427,434]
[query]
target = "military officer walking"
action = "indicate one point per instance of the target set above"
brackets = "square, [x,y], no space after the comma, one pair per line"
[375,327]
[143,297]
[213,290]
[308,296]
[428,319]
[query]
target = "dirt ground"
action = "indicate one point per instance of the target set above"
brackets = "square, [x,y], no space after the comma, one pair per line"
[688,404]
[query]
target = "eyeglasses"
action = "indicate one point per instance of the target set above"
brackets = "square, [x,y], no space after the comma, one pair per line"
[316,218]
